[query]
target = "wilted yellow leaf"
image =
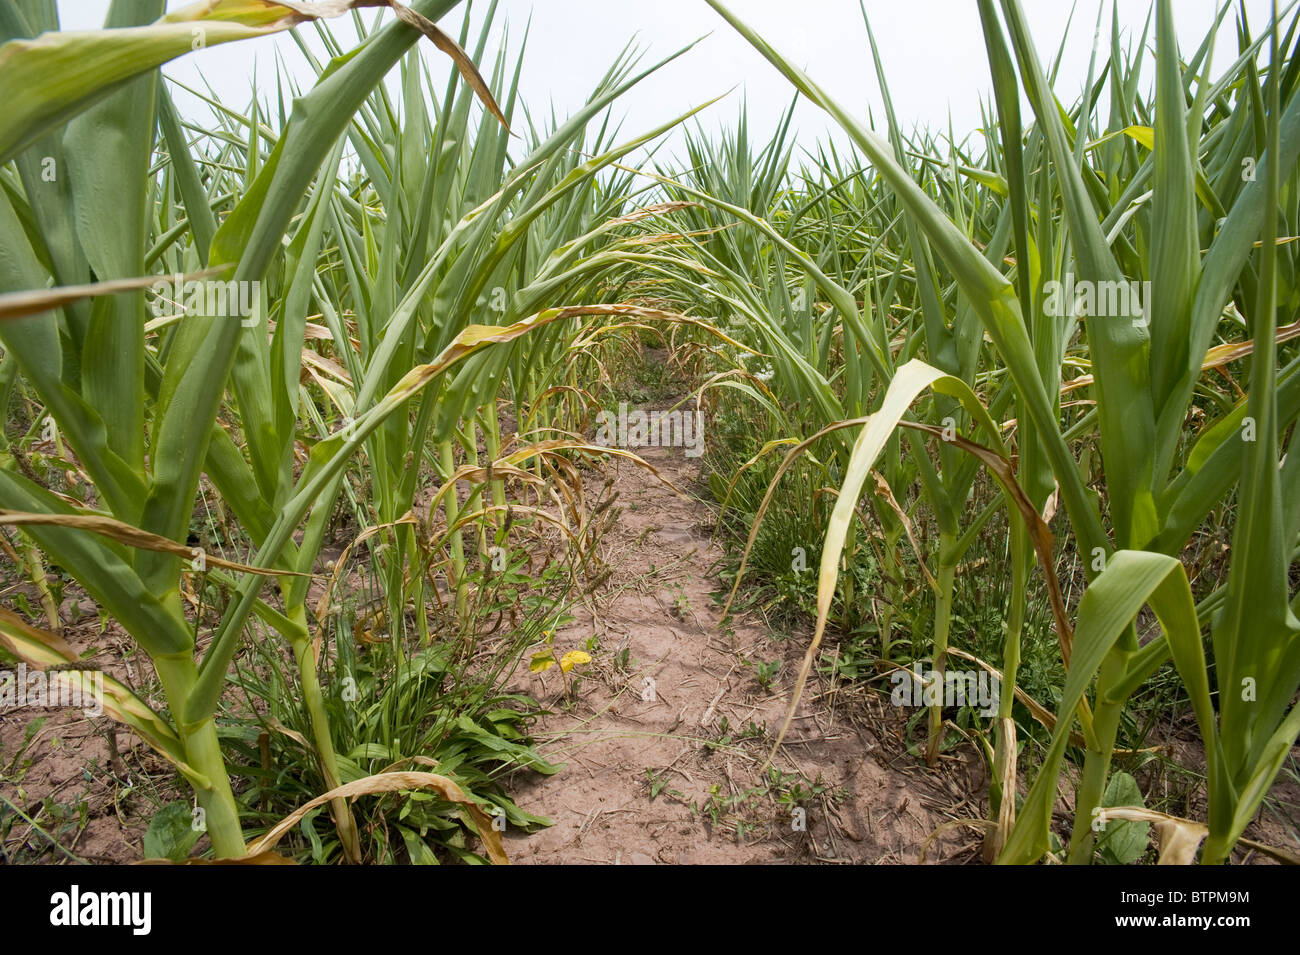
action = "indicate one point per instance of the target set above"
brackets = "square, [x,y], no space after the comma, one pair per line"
[573,658]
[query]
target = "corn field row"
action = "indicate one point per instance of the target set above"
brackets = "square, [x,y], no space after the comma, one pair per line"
[302,395]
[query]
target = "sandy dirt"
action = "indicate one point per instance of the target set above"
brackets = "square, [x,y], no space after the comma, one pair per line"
[650,776]
[92,782]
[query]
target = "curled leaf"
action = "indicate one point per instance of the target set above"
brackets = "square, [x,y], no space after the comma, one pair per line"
[387,783]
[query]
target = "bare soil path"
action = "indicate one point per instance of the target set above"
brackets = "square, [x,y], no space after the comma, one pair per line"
[665,744]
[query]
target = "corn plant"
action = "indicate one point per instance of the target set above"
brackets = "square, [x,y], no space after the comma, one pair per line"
[1144,368]
[121,544]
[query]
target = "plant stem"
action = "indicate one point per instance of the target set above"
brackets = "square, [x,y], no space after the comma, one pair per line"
[314,700]
[203,753]
[1096,762]
[942,621]
[451,505]
[1002,799]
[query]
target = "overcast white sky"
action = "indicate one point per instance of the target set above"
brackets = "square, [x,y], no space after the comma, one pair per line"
[933,52]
